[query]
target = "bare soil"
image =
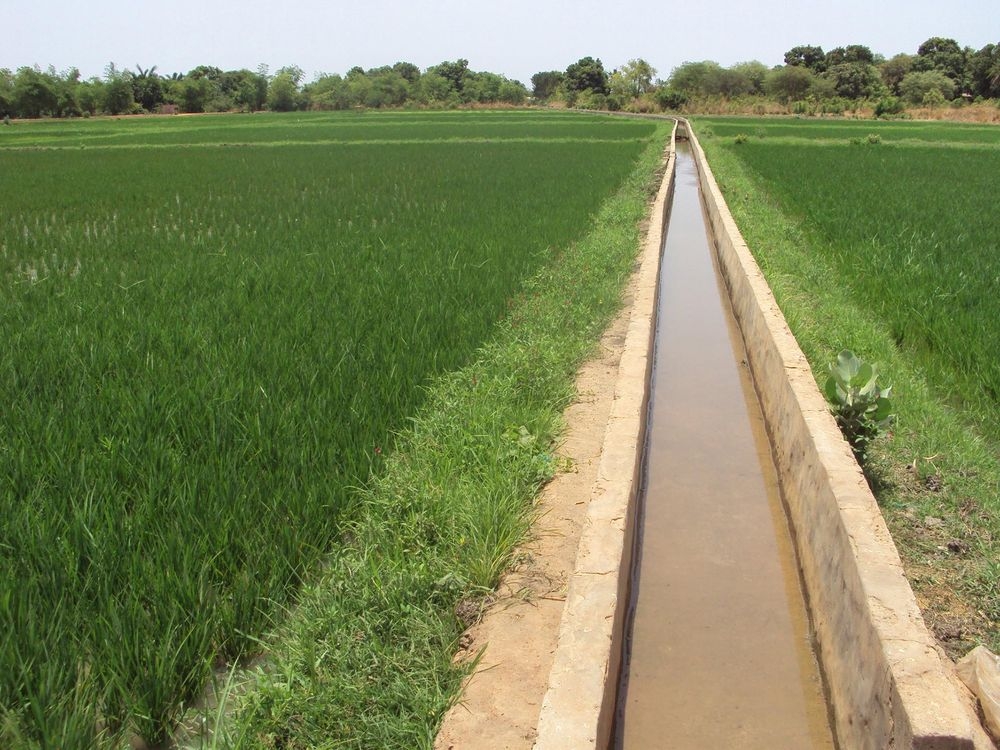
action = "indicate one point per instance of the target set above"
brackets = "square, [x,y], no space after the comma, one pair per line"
[944,553]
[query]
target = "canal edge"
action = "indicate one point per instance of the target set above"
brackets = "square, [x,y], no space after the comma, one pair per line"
[579,704]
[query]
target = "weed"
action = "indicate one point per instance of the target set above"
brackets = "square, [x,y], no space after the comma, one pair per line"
[861,407]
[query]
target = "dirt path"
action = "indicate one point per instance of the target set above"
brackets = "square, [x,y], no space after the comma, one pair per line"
[500,704]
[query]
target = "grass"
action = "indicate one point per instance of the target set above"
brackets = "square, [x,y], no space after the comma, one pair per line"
[210,353]
[890,249]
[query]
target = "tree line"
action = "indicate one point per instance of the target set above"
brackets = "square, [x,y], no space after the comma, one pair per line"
[939,73]
[31,92]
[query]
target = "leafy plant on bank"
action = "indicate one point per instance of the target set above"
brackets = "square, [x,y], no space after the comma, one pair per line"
[862,408]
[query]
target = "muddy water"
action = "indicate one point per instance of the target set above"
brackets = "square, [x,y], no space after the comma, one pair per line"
[720,653]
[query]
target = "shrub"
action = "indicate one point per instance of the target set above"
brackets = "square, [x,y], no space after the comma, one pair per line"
[916,85]
[669,98]
[835,106]
[861,407]
[933,98]
[888,105]
[591,100]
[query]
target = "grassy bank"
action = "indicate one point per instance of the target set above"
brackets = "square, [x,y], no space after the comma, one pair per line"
[886,246]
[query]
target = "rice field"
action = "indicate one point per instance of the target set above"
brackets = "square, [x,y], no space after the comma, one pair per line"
[213,329]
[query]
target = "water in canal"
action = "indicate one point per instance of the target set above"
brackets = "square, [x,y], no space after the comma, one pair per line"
[718,652]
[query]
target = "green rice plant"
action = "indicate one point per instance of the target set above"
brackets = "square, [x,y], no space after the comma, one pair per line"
[904,228]
[208,350]
[816,133]
[366,658]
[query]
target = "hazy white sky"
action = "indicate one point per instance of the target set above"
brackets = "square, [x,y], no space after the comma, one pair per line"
[516,38]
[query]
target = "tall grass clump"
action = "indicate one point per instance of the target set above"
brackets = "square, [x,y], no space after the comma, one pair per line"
[206,350]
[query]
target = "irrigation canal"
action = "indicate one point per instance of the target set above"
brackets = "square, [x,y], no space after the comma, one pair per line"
[718,650]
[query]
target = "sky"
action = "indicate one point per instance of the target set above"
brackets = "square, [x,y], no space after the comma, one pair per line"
[515,38]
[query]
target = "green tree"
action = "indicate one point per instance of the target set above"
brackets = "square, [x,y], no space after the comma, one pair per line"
[67,87]
[242,89]
[894,69]
[790,83]
[587,74]
[118,95]
[407,70]
[195,92]
[727,82]
[294,72]
[434,88]
[694,78]
[359,86]
[984,70]
[939,53]
[856,80]
[147,88]
[512,92]
[851,54]
[754,73]
[545,83]
[918,83]
[6,92]
[90,95]
[388,88]
[638,76]
[210,72]
[619,91]
[806,56]
[483,87]
[455,73]
[283,92]
[670,99]
[329,92]
[34,93]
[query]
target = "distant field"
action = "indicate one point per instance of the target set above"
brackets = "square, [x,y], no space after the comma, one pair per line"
[815,131]
[317,129]
[910,225]
[208,345]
